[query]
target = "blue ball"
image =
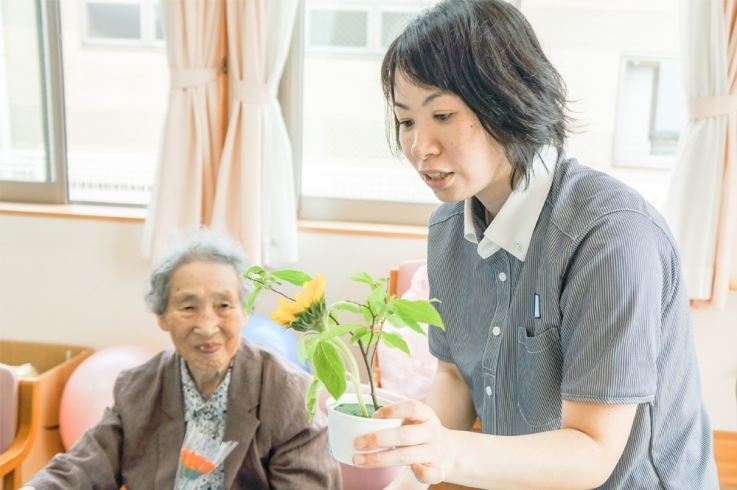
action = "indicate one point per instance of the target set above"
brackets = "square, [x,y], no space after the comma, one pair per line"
[261,329]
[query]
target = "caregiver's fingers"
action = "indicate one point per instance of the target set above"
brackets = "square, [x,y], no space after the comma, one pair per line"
[411,410]
[400,456]
[428,473]
[406,435]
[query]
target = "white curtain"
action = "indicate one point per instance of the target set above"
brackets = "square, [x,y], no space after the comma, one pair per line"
[255,194]
[702,200]
[184,187]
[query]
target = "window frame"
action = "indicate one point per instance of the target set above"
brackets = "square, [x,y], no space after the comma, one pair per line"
[54,191]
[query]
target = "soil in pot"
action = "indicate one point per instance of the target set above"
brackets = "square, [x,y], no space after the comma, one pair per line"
[354,409]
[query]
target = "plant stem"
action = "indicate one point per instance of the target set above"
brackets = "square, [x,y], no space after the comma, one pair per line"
[355,376]
[369,368]
[263,284]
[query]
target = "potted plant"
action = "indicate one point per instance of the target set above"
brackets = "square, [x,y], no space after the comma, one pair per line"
[328,330]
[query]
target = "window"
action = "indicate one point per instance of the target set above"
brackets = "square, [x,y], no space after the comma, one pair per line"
[31,115]
[356,28]
[620,63]
[116,91]
[94,137]
[651,113]
[347,170]
[121,23]
[607,52]
[334,29]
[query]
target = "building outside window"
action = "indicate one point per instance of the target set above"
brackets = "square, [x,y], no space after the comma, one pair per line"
[121,23]
[651,112]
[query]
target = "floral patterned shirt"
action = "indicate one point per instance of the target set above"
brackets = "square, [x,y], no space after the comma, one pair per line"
[209,416]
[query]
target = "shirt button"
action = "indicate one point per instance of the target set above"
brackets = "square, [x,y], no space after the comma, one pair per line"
[488,390]
[518,247]
[496,331]
[502,276]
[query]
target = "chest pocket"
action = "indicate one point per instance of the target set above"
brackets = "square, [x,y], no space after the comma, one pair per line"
[538,378]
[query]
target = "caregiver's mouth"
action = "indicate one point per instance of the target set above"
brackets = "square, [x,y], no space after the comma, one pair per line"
[437,180]
[437,175]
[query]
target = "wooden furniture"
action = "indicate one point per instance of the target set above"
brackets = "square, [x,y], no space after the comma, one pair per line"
[38,415]
[29,421]
[725,454]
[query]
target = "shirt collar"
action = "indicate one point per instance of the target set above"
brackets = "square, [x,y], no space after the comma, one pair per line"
[512,227]
[195,403]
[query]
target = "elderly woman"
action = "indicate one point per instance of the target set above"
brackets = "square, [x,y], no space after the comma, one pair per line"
[229,388]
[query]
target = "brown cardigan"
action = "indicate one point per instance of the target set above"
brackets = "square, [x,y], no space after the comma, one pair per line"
[137,442]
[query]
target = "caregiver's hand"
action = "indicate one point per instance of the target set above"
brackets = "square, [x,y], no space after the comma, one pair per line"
[421,443]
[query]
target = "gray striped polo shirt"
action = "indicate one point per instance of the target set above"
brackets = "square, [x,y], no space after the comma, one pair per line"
[595,310]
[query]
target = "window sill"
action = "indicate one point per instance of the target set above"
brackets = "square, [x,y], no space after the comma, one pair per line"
[138,215]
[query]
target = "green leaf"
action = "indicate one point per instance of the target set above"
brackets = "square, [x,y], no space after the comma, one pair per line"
[308,341]
[376,301]
[338,331]
[298,278]
[367,316]
[252,298]
[358,334]
[312,396]
[350,307]
[399,322]
[392,339]
[302,353]
[362,277]
[329,368]
[255,269]
[417,311]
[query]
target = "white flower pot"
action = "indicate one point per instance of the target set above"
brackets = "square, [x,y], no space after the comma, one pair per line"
[343,428]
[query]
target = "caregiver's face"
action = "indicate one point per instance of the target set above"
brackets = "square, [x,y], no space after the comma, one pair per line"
[444,141]
[204,317]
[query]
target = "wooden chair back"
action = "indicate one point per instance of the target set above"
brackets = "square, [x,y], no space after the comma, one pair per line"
[29,421]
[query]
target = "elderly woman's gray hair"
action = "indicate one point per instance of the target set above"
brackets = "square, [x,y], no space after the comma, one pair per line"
[202,245]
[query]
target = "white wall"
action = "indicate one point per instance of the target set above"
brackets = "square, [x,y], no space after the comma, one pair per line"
[80,281]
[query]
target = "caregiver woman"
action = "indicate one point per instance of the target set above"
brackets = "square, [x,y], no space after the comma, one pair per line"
[567,328]
[229,388]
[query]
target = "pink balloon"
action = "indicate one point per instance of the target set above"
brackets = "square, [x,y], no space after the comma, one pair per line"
[90,388]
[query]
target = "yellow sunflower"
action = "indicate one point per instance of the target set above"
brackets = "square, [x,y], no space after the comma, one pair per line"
[308,307]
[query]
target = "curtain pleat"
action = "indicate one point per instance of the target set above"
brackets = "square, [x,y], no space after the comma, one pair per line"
[255,193]
[190,149]
[700,208]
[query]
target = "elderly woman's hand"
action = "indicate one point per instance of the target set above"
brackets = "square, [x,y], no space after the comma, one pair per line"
[421,443]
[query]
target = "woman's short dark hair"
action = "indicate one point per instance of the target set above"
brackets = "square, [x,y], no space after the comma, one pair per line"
[486,53]
[205,245]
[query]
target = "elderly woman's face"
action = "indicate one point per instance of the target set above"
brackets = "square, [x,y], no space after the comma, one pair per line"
[204,317]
